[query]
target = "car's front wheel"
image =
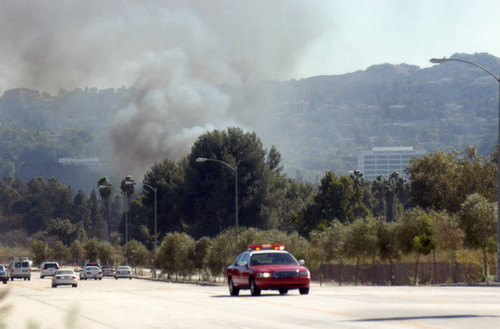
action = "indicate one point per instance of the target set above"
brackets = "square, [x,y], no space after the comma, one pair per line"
[304,291]
[232,289]
[253,288]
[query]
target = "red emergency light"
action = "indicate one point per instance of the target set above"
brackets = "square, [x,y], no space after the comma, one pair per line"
[266,246]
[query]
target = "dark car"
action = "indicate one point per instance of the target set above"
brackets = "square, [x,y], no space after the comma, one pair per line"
[267,267]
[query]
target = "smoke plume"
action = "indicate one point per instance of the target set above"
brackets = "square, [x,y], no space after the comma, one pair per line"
[176,54]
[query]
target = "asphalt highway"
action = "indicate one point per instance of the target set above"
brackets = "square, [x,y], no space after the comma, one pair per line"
[139,303]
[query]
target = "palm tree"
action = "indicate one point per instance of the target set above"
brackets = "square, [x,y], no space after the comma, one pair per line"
[378,188]
[104,187]
[127,187]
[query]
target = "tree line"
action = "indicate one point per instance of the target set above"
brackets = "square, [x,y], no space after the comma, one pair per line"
[195,202]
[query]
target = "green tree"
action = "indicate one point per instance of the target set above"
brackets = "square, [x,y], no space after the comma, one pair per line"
[105,189]
[106,252]
[362,240]
[415,234]
[137,254]
[200,260]
[478,220]
[329,244]
[387,244]
[77,251]
[221,253]
[96,229]
[38,250]
[175,254]
[127,187]
[61,252]
[210,198]
[443,181]
[449,236]
[92,250]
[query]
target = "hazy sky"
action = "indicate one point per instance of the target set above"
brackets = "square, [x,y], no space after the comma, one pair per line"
[52,44]
[179,53]
[361,33]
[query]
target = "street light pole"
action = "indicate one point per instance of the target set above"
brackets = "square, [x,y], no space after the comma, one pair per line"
[497,78]
[156,228]
[235,170]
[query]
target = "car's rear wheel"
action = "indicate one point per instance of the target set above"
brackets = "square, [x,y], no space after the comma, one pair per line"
[232,289]
[253,288]
[74,285]
[304,291]
[54,286]
[283,291]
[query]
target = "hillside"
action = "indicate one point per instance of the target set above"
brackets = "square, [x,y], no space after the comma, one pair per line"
[317,124]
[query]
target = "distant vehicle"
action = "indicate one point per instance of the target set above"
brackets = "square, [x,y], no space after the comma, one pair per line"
[91,272]
[64,277]
[108,271]
[20,268]
[3,274]
[267,267]
[123,272]
[93,264]
[48,269]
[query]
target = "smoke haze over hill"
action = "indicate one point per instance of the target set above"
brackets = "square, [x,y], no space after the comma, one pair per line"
[175,54]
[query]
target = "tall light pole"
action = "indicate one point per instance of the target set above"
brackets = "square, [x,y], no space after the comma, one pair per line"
[497,78]
[156,226]
[235,170]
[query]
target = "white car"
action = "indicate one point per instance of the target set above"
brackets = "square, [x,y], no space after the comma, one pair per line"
[64,277]
[91,272]
[48,269]
[123,272]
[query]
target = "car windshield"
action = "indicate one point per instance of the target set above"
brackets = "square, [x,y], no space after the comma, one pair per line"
[2,268]
[272,258]
[64,272]
[123,268]
[50,265]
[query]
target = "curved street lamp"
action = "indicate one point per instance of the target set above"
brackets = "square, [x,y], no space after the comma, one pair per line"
[497,78]
[235,170]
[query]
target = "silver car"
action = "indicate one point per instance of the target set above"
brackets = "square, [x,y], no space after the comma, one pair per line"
[48,269]
[123,272]
[64,277]
[91,272]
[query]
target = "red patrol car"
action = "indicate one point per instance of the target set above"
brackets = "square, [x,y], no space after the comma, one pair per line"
[267,267]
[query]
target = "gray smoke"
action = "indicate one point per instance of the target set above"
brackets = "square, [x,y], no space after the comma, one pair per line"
[177,54]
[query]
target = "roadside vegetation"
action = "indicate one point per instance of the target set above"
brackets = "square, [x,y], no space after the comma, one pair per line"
[444,213]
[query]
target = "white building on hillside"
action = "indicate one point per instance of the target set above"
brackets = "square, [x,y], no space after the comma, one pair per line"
[386,160]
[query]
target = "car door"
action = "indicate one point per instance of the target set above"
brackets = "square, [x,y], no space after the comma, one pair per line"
[244,270]
[237,269]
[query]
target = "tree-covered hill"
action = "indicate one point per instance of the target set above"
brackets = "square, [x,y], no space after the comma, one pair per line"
[317,124]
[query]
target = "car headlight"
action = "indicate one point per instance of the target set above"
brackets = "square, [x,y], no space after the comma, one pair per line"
[304,274]
[264,275]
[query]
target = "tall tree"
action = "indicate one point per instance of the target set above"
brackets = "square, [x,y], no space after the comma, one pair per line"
[105,188]
[478,220]
[209,205]
[127,187]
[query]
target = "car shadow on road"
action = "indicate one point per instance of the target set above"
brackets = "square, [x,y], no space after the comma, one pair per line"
[250,296]
[409,318]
